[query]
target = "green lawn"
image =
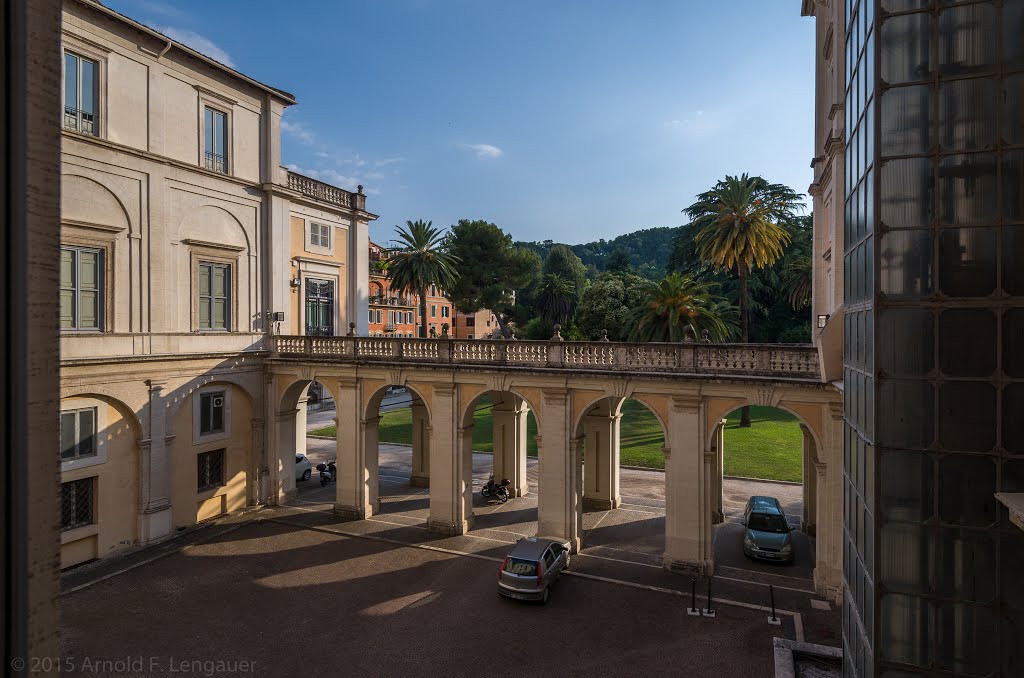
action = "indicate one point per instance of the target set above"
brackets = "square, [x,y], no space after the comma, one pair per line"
[771,448]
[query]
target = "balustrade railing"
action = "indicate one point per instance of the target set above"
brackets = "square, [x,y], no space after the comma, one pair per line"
[317,189]
[788,361]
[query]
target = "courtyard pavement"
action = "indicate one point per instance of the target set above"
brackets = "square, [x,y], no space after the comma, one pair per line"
[300,592]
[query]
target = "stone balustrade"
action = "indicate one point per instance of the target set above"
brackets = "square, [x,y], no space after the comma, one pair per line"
[318,190]
[782,361]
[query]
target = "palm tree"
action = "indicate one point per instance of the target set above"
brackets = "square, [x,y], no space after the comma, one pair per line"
[420,263]
[797,281]
[678,301]
[739,225]
[556,299]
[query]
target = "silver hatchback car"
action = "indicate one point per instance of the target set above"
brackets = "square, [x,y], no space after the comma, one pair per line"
[531,567]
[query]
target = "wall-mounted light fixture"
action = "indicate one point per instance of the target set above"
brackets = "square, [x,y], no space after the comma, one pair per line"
[278,316]
[822,320]
[296,282]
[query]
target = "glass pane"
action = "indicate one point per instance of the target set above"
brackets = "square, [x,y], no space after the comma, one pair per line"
[220,140]
[1013,112]
[967,189]
[208,122]
[219,314]
[906,557]
[907,486]
[967,114]
[967,484]
[906,342]
[967,639]
[905,627]
[86,433]
[70,80]
[906,414]
[1013,183]
[1013,426]
[1013,28]
[967,342]
[68,439]
[67,309]
[905,48]
[967,39]
[89,303]
[967,401]
[89,269]
[1013,342]
[217,418]
[204,313]
[967,262]
[205,412]
[967,564]
[67,268]
[907,190]
[204,279]
[906,263]
[88,86]
[906,121]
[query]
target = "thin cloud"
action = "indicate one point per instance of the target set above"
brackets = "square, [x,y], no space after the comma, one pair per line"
[163,9]
[697,123]
[199,43]
[299,131]
[483,150]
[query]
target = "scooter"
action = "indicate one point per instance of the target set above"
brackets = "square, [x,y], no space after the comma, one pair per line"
[328,472]
[493,489]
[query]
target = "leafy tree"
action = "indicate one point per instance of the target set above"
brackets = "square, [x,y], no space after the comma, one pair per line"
[556,299]
[607,305]
[647,248]
[561,261]
[739,227]
[421,262]
[618,261]
[679,301]
[491,270]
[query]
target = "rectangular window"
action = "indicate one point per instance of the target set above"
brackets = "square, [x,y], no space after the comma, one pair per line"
[214,296]
[76,503]
[78,434]
[81,94]
[211,413]
[433,311]
[445,311]
[210,470]
[379,317]
[371,315]
[433,290]
[81,288]
[216,124]
[320,235]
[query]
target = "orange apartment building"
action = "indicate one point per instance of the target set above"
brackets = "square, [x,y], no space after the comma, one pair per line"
[479,325]
[393,314]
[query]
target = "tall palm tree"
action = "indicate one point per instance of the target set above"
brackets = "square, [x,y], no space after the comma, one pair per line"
[678,301]
[421,262]
[797,281]
[739,225]
[556,299]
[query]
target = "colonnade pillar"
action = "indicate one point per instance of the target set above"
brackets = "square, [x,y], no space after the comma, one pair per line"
[601,459]
[420,445]
[828,566]
[155,490]
[687,493]
[356,495]
[808,521]
[509,416]
[717,472]
[451,458]
[560,486]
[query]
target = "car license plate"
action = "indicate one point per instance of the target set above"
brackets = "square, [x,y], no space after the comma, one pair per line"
[518,596]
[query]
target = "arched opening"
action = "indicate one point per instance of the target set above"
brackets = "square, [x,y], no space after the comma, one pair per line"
[499,434]
[766,469]
[307,435]
[623,447]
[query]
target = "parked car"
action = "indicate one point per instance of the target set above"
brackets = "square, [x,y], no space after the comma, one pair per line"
[767,535]
[531,567]
[303,469]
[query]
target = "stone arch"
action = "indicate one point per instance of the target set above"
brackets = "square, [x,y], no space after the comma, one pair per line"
[129,414]
[721,412]
[466,417]
[213,223]
[86,200]
[183,393]
[375,398]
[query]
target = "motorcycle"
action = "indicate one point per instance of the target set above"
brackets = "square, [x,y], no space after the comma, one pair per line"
[328,472]
[493,489]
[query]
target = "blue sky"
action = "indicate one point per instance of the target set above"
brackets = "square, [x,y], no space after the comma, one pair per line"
[567,119]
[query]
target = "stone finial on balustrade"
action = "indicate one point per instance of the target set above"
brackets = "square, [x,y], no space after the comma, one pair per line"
[705,337]
[351,330]
[444,330]
[558,333]
[688,334]
[604,335]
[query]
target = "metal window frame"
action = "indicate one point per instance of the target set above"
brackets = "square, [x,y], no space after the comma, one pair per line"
[204,458]
[77,108]
[90,496]
[78,433]
[77,289]
[216,162]
[209,396]
[210,265]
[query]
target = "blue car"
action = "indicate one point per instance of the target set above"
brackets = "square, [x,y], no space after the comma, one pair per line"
[766,536]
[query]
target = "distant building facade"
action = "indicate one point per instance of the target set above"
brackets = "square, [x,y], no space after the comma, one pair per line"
[183,243]
[480,325]
[396,313]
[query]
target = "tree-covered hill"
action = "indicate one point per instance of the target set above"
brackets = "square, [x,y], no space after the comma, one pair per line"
[646,251]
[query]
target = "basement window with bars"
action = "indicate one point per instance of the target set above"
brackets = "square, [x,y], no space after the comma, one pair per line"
[210,470]
[77,503]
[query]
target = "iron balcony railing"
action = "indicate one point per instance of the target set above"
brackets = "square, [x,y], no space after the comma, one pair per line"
[217,163]
[80,121]
[797,362]
[392,301]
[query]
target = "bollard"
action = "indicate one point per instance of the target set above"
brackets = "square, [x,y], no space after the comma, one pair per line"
[773,620]
[692,610]
[709,611]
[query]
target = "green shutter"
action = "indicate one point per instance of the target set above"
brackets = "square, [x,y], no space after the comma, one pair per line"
[204,279]
[67,309]
[88,310]
[204,313]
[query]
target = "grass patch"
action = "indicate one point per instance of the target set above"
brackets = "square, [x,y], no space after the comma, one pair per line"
[771,448]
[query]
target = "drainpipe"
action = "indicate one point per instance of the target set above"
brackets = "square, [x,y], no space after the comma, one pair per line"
[165,50]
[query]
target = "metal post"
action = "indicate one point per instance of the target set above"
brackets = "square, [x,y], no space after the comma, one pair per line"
[693,611]
[709,611]
[773,620]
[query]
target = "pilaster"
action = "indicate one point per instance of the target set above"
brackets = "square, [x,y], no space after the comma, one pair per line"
[687,497]
[155,470]
[509,436]
[421,432]
[601,461]
[560,483]
[451,505]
